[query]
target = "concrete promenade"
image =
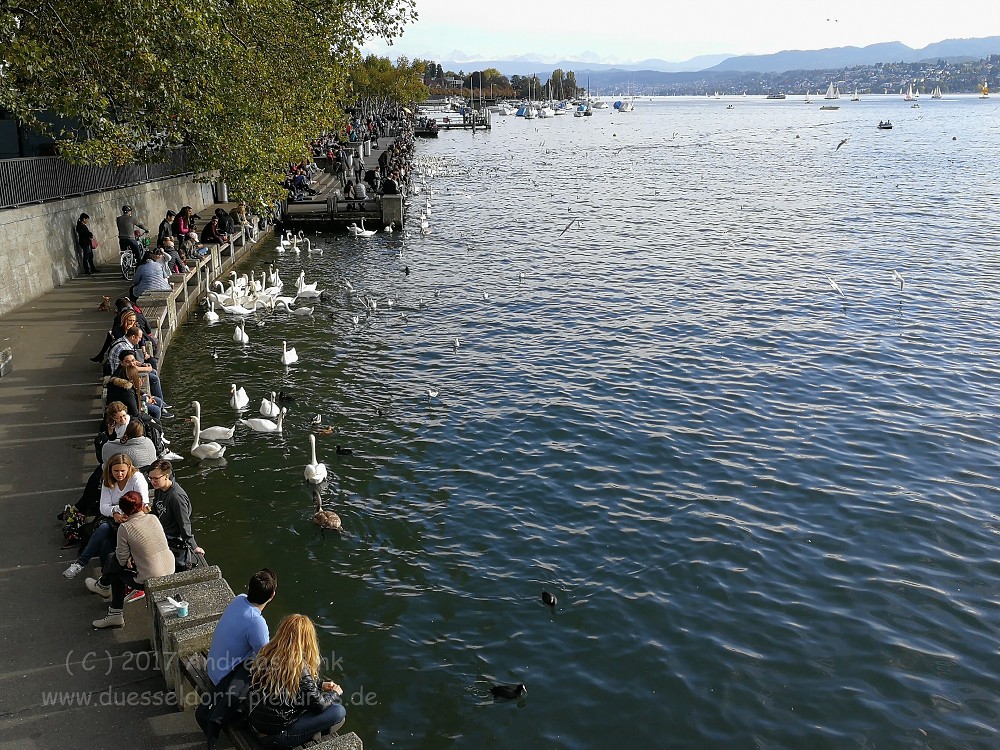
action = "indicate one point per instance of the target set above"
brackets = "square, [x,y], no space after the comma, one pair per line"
[110,691]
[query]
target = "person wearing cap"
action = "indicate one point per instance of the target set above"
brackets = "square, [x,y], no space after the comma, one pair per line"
[166,228]
[127,226]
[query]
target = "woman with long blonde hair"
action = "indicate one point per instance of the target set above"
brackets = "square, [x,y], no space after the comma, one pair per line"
[289,703]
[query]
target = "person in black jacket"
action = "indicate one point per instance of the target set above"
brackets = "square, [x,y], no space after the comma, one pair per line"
[85,245]
[288,702]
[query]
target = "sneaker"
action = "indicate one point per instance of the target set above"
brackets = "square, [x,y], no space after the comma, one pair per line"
[166,414]
[134,595]
[114,619]
[164,441]
[171,456]
[95,586]
[73,570]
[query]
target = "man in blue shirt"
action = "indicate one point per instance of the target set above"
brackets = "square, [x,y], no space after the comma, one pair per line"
[242,629]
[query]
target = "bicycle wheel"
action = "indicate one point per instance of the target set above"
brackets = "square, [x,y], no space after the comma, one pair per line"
[128,264]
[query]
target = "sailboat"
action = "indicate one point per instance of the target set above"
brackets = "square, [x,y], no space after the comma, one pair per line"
[984,92]
[807,99]
[908,97]
[832,92]
[937,93]
[855,98]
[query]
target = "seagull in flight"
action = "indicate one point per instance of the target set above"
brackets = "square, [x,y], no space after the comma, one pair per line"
[897,277]
[840,144]
[836,287]
[567,227]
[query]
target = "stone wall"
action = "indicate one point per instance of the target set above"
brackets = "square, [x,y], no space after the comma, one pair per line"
[37,242]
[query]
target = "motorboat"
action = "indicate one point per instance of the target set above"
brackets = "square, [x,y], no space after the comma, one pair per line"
[884,125]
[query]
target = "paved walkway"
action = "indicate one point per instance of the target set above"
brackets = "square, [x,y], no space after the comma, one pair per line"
[50,411]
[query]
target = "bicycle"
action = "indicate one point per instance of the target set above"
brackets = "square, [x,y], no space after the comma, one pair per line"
[127,259]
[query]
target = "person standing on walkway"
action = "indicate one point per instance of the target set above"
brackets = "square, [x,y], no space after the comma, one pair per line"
[127,226]
[85,245]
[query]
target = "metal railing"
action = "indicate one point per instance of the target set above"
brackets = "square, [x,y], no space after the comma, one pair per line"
[42,178]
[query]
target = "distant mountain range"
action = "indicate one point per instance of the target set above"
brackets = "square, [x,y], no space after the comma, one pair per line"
[951,50]
[522,66]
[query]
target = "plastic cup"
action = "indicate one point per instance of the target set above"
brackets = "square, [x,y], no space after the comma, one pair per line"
[182,609]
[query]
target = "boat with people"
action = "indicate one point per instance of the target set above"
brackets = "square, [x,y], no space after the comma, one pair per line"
[884,125]
[777,95]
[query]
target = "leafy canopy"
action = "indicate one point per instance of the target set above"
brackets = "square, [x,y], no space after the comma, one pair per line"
[240,84]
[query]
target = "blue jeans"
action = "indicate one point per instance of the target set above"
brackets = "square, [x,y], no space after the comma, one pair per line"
[101,543]
[304,727]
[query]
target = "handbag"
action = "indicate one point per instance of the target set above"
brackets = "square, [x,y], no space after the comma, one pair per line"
[94,243]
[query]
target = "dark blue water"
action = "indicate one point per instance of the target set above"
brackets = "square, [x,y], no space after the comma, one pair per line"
[769,511]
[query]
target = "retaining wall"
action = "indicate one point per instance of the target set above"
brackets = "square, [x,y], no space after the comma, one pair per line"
[38,242]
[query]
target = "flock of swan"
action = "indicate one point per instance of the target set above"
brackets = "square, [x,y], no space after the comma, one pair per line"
[245,296]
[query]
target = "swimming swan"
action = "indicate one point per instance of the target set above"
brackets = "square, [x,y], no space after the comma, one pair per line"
[212,433]
[265,425]
[288,356]
[314,472]
[270,409]
[238,399]
[200,450]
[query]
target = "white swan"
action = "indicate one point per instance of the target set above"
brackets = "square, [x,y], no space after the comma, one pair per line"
[200,450]
[312,250]
[265,425]
[212,433]
[288,356]
[390,227]
[270,408]
[366,232]
[211,316]
[293,310]
[309,294]
[354,229]
[237,310]
[314,472]
[238,399]
[240,335]
[302,286]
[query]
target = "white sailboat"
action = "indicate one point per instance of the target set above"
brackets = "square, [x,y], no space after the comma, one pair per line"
[908,96]
[855,98]
[832,92]
[807,99]
[937,93]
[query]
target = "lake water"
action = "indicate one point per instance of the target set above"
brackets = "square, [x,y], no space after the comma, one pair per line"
[769,512]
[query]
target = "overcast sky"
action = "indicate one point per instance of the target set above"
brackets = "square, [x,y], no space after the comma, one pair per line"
[619,31]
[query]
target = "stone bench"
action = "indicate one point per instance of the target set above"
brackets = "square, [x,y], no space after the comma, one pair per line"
[194,669]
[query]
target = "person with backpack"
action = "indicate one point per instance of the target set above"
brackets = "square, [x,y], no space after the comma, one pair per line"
[171,504]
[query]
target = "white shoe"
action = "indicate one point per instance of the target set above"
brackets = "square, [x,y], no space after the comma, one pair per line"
[73,570]
[115,619]
[95,586]
[165,441]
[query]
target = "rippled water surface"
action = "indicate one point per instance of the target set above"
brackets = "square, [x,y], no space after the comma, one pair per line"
[769,512]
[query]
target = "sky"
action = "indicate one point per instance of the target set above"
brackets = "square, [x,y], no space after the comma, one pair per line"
[623,31]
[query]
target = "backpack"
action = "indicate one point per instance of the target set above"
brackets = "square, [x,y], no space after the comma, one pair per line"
[154,431]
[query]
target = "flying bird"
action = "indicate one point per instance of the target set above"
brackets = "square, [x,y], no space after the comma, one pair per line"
[567,227]
[897,277]
[840,144]
[836,287]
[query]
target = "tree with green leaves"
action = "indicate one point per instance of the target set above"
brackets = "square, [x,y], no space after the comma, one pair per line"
[241,85]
